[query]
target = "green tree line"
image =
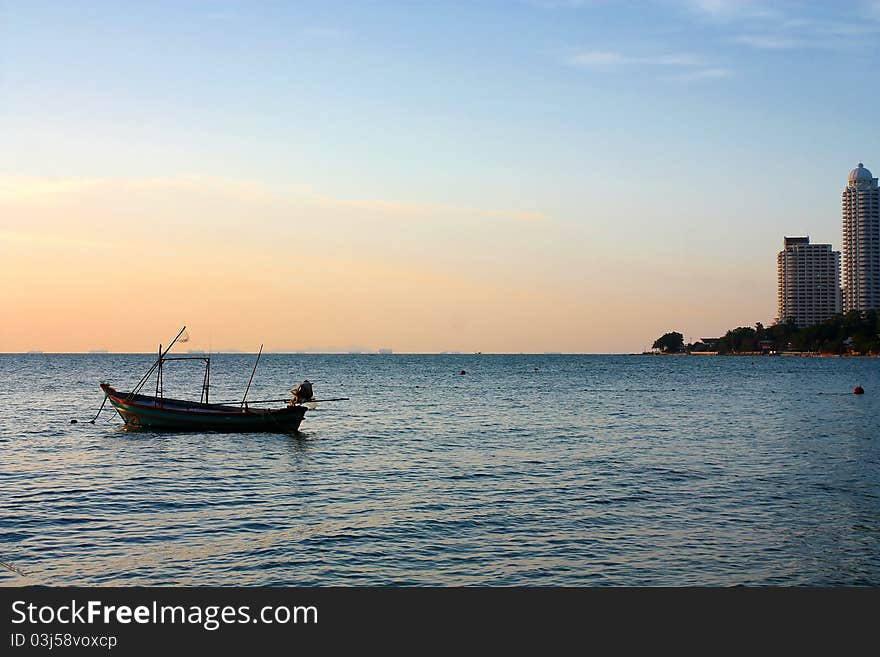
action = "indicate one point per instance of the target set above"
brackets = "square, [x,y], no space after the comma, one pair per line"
[854,332]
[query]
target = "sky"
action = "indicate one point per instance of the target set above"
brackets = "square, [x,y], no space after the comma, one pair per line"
[519,176]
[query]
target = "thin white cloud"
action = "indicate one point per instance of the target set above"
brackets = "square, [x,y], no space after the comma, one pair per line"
[769,41]
[871,9]
[598,59]
[561,4]
[21,191]
[758,24]
[733,10]
[681,60]
[789,26]
[703,74]
[687,65]
[222,16]
[605,59]
[813,35]
[24,239]
[324,33]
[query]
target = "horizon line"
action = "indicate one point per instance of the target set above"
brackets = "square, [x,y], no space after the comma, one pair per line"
[331,353]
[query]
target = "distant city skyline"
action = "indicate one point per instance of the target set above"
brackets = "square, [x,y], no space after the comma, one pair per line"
[527,176]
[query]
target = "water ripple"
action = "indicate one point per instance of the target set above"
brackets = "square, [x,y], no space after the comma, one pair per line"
[593,470]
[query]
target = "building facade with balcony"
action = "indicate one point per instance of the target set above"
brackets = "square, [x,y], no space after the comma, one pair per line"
[808,278]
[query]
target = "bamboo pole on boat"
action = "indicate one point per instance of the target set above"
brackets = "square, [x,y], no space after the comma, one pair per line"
[153,366]
[205,380]
[254,371]
[159,373]
[270,401]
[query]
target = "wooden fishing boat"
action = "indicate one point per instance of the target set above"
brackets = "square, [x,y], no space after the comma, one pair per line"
[157,412]
[164,414]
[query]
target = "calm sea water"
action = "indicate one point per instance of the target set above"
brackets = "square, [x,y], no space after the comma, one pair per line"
[537,470]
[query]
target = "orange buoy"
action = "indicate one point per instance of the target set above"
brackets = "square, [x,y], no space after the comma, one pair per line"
[858,390]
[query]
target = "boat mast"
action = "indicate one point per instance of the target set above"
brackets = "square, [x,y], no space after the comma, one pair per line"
[159,390]
[206,382]
[244,399]
[162,354]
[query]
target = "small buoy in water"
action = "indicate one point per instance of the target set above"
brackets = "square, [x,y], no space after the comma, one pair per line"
[858,390]
[73,421]
[463,372]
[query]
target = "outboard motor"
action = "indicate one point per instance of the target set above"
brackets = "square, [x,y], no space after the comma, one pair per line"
[302,393]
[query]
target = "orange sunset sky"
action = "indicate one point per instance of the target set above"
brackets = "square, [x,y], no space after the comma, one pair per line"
[499,177]
[119,264]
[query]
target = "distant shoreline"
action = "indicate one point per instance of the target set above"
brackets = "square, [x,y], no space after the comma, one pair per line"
[782,354]
[789,354]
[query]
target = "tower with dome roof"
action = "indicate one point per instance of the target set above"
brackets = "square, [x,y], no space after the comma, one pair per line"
[860,205]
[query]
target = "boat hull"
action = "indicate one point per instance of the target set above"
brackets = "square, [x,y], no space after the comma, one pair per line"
[143,412]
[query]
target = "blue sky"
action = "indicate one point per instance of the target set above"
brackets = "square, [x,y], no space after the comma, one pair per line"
[674,140]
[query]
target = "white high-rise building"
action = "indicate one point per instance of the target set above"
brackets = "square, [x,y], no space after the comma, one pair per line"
[808,282]
[861,241]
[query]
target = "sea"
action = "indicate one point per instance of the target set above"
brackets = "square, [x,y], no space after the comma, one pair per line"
[450,470]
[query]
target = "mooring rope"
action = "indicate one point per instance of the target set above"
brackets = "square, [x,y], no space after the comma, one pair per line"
[92,421]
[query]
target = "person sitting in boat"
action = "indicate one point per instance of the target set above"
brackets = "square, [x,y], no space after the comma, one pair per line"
[302,393]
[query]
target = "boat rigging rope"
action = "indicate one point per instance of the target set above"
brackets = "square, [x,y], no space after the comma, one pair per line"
[92,421]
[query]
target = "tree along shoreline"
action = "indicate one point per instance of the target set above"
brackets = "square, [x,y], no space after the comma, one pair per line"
[853,334]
